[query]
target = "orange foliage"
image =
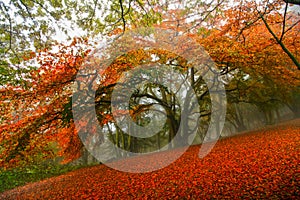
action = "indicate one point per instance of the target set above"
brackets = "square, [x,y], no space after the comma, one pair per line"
[33,115]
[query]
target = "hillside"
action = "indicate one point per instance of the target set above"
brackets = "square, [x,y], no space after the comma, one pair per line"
[262,164]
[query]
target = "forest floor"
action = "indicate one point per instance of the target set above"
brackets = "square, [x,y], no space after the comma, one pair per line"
[261,164]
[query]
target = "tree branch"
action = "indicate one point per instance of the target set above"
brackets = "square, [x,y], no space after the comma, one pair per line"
[122,15]
[297,2]
[292,57]
[284,21]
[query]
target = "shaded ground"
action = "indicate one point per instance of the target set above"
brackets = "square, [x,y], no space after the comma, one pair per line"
[263,164]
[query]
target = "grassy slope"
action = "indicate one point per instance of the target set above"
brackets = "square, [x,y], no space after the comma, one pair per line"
[260,164]
[16,177]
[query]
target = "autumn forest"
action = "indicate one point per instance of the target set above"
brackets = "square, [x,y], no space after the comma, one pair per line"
[134,99]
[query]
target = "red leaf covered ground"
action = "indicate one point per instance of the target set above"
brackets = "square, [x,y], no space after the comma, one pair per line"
[263,164]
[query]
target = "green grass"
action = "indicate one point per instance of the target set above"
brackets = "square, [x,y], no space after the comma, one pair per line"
[12,178]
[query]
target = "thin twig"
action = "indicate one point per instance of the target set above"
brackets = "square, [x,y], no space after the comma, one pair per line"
[284,22]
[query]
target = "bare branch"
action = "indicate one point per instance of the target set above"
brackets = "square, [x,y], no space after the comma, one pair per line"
[122,15]
[284,21]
